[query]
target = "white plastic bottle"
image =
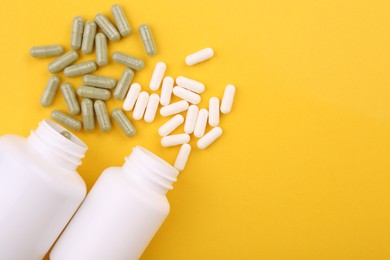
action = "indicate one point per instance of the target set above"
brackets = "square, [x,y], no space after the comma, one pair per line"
[122,212]
[39,189]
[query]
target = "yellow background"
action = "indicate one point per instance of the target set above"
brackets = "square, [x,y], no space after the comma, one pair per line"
[302,169]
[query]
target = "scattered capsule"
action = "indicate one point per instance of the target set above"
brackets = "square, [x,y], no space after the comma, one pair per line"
[88,114]
[227,99]
[102,115]
[50,91]
[101,49]
[201,123]
[214,111]
[151,108]
[190,84]
[80,69]
[166,91]
[171,125]
[128,60]
[140,105]
[131,97]
[70,98]
[63,61]
[99,81]
[209,138]
[172,140]
[77,33]
[46,51]
[66,134]
[123,84]
[187,95]
[107,27]
[192,115]
[174,108]
[157,75]
[147,39]
[199,56]
[66,120]
[123,122]
[120,20]
[94,93]
[88,37]
[182,157]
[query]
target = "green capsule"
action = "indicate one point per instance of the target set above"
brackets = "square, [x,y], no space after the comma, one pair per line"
[99,81]
[128,60]
[88,37]
[147,39]
[66,120]
[88,114]
[123,122]
[120,20]
[77,33]
[70,98]
[50,91]
[94,93]
[101,49]
[123,84]
[46,51]
[66,134]
[107,27]
[102,115]
[63,61]
[80,69]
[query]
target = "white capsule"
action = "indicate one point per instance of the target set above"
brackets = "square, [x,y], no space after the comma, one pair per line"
[157,75]
[209,138]
[214,111]
[172,140]
[174,108]
[201,123]
[182,157]
[227,99]
[192,115]
[166,91]
[131,97]
[199,56]
[171,125]
[186,95]
[151,108]
[140,106]
[190,84]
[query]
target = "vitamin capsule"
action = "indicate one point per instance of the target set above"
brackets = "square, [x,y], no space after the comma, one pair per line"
[46,51]
[140,106]
[99,81]
[209,138]
[66,134]
[172,140]
[151,108]
[227,99]
[123,122]
[101,49]
[50,91]
[190,84]
[174,108]
[88,114]
[88,37]
[157,75]
[66,120]
[63,61]
[171,125]
[166,91]
[80,69]
[182,157]
[131,97]
[147,39]
[199,56]
[107,27]
[128,60]
[77,33]
[214,111]
[102,115]
[120,20]
[187,95]
[94,93]
[70,98]
[123,84]
[192,115]
[201,123]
